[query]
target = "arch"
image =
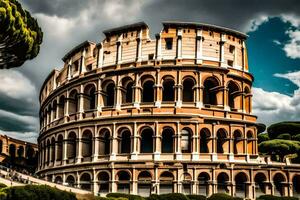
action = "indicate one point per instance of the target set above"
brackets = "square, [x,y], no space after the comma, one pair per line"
[49,112]
[188,90]
[233,91]
[52,148]
[59,149]
[58,180]
[61,107]
[166,183]
[186,183]
[123,185]
[90,97]
[29,151]
[296,185]
[127,91]
[86,181]
[205,136]
[238,144]
[210,91]
[186,138]
[167,140]
[146,145]
[144,183]
[104,142]
[73,102]
[279,180]
[222,141]
[203,181]
[103,181]
[125,141]
[87,143]
[20,151]
[70,180]
[223,182]
[71,145]
[250,143]
[241,189]
[54,108]
[148,91]
[247,99]
[168,89]
[109,93]
[260,186]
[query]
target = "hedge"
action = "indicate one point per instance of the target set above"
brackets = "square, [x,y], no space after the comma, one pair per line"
[271,197]
[196,197]
[223,196]
[2,185]
[126,196]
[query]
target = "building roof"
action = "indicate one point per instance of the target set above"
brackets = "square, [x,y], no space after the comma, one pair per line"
[202,25]
[128,27]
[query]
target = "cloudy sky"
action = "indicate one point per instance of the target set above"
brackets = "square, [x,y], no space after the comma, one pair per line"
[273,27]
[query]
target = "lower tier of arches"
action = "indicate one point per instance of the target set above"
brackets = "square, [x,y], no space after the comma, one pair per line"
[246,181]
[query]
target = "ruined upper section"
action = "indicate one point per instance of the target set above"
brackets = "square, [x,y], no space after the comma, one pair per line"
[178,43]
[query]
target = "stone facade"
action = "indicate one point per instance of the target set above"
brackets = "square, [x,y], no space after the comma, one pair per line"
[142,116]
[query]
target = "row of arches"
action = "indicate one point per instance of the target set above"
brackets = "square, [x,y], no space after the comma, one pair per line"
[146,143]
[212,90]
[167,183]
[21,151]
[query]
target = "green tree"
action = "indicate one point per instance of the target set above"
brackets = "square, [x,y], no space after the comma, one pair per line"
[262,137]
[292,128]
[20,35]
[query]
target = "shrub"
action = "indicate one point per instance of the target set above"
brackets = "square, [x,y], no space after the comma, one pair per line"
[196,197]
[262,137]
[126,196]
[2,185]
[271,197]
[296,137]
[173,196]
[221,196]
[284,136]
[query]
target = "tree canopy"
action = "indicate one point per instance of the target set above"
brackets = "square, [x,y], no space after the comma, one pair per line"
[20,35]
[292,128]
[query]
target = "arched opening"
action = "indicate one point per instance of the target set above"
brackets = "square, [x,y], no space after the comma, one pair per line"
[58,180]
[188,90]
[103,181]
[279,181]
[167,141]
[187,184]
[70,181]
[86,182]
[146,145]
[260,188]
[222,141]
[54,108]
[71,146]
[168,90]
[61,107]
[125,142]
[204,140]
[29,152]
[90,97]
[186,138]
[238,142]
[49,112]
[210,91]
[250,143]
[166,183]
[73,102]
[296,186]
[20,151]
[48,151]
[52,148]
[144,184]
[241,189]
[104,140]
[127,92]
[223,183]
[109,92]
[203,180]
[87,143]
[233,91]
[59,149]
[148,91]
[123,185]
[247,100]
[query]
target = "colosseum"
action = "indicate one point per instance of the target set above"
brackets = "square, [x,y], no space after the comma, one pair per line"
[145,116]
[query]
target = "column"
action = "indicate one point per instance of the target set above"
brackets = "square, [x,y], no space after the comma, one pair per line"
[99,98]
[137,94]
[55,152]
[114,144]
[199,91]
[195,137]
[158,87]
[134,151]
[69,69]
[214,143]
[118,95]
[158,47]
[134,182]
[79,144]
[222,42]
[113,181]
[178,153]
[139,46]
[157,151]
[100,55]
[178,90]
[225,99]
[66,111]
[179,43]
[57,107]
[119,50]
[199,45]
[81,102]
[65,147]
[96,145]
[54,80]
[95,184]
[82,62]
[244,57]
